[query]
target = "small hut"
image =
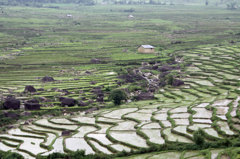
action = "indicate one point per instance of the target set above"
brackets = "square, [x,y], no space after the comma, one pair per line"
[130,16]
[146,49]
[69,15]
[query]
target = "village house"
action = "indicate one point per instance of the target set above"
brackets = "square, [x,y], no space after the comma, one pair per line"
[69,15]
[146,49]
[130,16]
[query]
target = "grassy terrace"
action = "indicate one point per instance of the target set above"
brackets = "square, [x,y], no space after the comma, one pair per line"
[36,42]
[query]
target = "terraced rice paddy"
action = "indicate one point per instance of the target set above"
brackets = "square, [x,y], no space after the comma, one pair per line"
[209,100]
[211,153]
[93,136]
[78,83]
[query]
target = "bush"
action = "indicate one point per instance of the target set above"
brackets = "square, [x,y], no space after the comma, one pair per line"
[52,156]
[134,88]
[198,137]
[108,89]
[117,96]
[169,79]
[77,154]
[10,155]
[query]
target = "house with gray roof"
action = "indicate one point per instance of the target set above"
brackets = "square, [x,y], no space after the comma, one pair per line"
[146,49]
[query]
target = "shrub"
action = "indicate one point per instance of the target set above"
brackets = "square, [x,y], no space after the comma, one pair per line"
[108,89]
[52,156]
[134,88]
[117,96]
[198,137]
[10,155]
[77,154]
[170,79]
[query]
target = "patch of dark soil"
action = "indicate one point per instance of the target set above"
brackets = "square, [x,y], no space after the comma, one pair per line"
[155,67]
[26,114]
[11,115]
[47,79]
[145,96]
[97,61]
[29,89]
[98,91]
[162,83]
[166,68]
[68,101]
[32,105]
[100,99]
[177,82]
[177,42]
[66,133]
[43,99]
[152,62]
[81,103]
[163,74]
[130,78]
[88,72]
[152,89]
[93,82]
[91,110]
[11,103]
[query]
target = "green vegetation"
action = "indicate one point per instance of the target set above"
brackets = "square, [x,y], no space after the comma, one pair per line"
[117,96]
[10,155]
[198,137]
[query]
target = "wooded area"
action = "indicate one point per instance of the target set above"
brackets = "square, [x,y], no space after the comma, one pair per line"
[231,4]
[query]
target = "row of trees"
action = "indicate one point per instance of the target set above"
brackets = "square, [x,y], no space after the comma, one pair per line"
[31,2]
[231,4]
[228,3]
[90,2]
[136,1]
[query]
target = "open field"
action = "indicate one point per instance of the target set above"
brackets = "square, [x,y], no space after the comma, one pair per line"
[36,42]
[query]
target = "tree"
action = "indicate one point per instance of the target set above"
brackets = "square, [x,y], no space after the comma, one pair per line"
[40,2]
[151,2]
[232,5]
[117,96]
[206,3]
